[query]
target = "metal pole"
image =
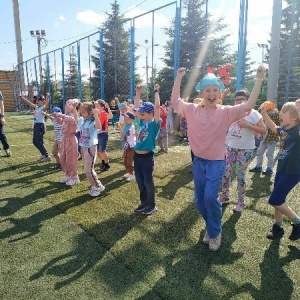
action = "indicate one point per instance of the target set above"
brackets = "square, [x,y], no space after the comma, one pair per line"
[40,61]
[147,67]
[273,73]
[18,42]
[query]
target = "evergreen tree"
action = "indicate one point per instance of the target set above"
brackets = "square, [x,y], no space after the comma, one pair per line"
[71,78]
[294,70]
[116,56]
[193,32]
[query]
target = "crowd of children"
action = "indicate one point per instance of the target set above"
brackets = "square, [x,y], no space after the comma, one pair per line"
[221,138]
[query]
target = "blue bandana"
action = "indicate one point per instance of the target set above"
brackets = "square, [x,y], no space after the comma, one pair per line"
[209,79]
[146,107]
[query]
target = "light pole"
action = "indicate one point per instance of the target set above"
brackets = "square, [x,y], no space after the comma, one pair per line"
[147,47]
[39,35]
[263,47]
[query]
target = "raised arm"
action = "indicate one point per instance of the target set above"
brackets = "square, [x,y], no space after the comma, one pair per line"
[254,94]
[156,103]
[46,106]
[177,83]
[137,99]
[96,116]
[27,101]
[267,119]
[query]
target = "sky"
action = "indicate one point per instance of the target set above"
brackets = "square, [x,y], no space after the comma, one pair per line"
[66,21]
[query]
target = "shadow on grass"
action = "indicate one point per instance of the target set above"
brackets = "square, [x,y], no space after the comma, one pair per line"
[87,252]
[26,227]
[180,178]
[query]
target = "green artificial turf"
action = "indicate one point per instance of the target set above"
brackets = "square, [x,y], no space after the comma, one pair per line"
[59,243]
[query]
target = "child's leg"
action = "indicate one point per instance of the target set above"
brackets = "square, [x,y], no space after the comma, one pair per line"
[89,156]
[3,138]
[164,138]
[71,157]
[56,150]
[243,160]
[270,154]
[260,153]
[159,139]
[38,138]
[231,156]
[128,160]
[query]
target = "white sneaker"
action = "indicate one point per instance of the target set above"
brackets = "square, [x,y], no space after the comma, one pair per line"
[45,159]
[71,181]
[126,175]
[64,179]
[96,190]
[42,158]
[130,177]
[214,244]
[206,238]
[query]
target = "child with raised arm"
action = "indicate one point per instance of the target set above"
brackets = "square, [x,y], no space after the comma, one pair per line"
[42,104]
[288,167]
[88,142]
[68,154]
[145,148]
[3,137]
[240,145]
[208,124]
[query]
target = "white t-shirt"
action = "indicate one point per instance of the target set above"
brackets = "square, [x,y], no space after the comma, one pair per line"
[243,138]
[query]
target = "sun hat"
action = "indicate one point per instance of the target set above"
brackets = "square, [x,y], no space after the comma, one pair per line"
[146,107]
[56,109]
[209,79]
[130,115]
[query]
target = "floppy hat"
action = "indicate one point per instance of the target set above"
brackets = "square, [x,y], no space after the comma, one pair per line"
[209,79]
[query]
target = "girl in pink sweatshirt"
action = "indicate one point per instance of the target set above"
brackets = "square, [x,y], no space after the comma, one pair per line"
[68,155]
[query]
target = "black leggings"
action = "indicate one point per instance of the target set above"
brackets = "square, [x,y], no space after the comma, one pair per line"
[38,138]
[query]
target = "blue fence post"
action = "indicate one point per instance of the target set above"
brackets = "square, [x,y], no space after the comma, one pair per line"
[132,50]
[79,71]
[36,77]
[101,67]
[49,81]
[241,45]
[63,91]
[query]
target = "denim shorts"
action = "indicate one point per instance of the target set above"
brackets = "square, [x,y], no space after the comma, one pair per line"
[102,141]
[283,184]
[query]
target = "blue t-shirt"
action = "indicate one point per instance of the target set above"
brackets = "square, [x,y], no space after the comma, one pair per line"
[38,114]
[88,133]
[289,151]
[147,135]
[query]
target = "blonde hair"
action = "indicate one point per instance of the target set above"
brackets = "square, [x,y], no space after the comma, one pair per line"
[292,109]
[88,107]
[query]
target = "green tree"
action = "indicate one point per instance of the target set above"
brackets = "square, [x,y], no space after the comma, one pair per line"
[116,57]
[294,70]
[71,78]
[192,37]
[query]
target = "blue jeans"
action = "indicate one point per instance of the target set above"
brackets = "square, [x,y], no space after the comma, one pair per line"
[207,180]
[143,168]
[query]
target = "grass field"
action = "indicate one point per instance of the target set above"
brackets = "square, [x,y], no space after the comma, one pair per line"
[59,243]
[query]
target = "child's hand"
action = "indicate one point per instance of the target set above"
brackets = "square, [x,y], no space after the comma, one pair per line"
[2,121]
[260,73]
[138,89]
[297,103]
[243,123]
[263,110]
[156,87]
[95,112]
[226,92]
[181,72]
